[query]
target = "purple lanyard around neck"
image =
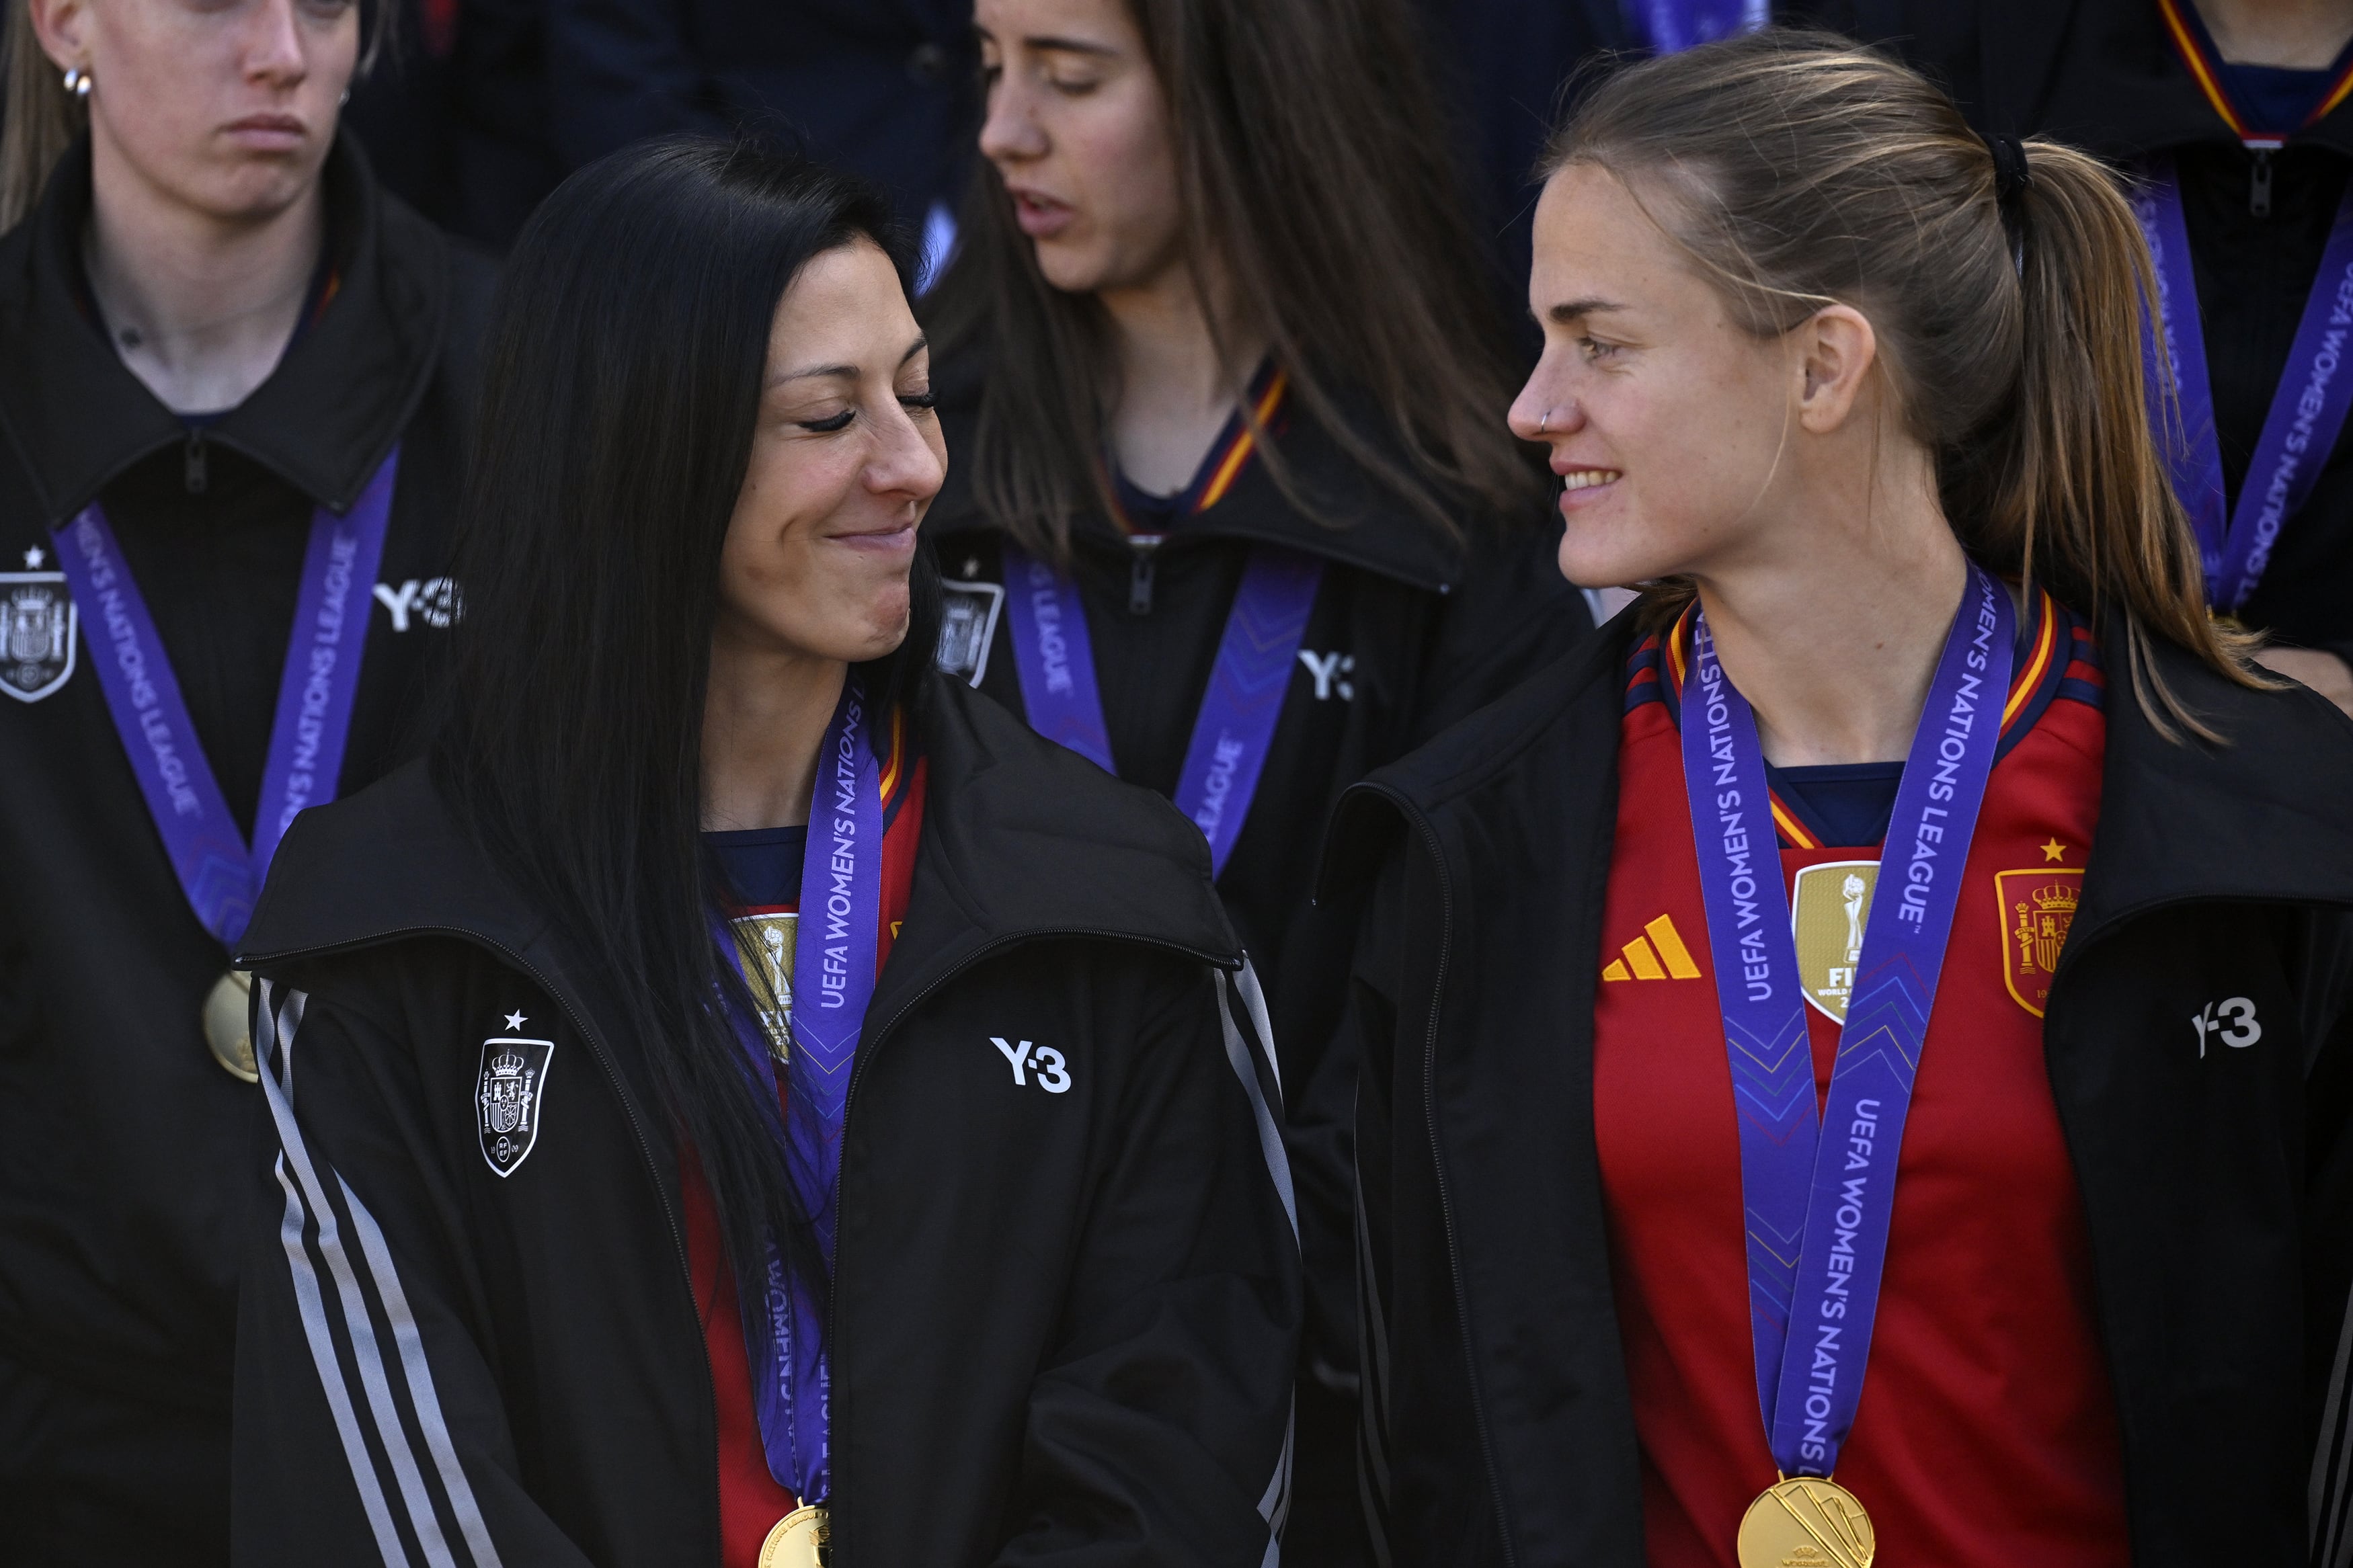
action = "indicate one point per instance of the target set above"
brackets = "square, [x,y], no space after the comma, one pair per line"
[1053,659]
[837,939]
[1672,26]
[2307,409]
[1817,1207]
[220,874]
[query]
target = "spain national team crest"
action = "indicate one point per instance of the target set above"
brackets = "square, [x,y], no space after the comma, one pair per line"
[37,630]
[2037,909]
[967,627]
[1829,909]
[763,945]
[511,1098]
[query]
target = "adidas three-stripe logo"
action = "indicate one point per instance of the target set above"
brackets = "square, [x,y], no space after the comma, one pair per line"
[1662,956]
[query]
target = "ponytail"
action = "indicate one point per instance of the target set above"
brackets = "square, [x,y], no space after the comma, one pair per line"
[2007,288]
[2069,477]
[39,122]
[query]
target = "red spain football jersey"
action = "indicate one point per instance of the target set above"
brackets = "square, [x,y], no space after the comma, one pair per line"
[1987,1431]
[751,1500]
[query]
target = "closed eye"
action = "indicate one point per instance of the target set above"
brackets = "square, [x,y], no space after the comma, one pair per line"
[827,427]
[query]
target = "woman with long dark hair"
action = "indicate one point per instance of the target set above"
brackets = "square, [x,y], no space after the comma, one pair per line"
[749,1099]
[1236,516]
[236,381]
[1859,1063]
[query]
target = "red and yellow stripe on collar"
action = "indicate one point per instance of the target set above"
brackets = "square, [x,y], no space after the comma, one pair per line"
[1229,465]
[891,770]
[2025,679]
[2190,41]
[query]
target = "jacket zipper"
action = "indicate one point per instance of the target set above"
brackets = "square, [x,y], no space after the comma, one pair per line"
[2259,186]
[1413,814]
[194,467]
[866,1052]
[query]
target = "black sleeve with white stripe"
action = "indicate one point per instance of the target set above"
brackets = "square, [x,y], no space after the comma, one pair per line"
[368,1426]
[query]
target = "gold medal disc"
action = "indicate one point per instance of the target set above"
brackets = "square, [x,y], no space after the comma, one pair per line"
[802,1539]
[226,1029]
[1804,1521]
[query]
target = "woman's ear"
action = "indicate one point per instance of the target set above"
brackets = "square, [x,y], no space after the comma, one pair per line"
[63,28]
[1834,351]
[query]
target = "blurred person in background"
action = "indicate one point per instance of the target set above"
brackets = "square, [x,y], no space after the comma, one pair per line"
[454,115]
[2231,116]
[234,387]
[882,89]
[1233,514]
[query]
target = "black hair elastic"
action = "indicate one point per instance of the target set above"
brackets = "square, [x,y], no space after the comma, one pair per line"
[2011,178]
[2011,174]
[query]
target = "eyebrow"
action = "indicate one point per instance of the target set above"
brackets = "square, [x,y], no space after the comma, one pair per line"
[846,371]
[1070,46]
[1571,309]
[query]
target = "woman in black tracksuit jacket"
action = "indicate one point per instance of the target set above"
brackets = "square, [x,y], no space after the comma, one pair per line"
[2247,103]
[2085,1299]
[215,429]
[623,1213]
[1211,319]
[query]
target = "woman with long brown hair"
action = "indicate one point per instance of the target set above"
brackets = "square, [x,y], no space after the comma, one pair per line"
[1860,1062]
[1234,513]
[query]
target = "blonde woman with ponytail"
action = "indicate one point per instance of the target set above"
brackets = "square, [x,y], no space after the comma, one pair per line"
[1859,1061]
[236,382]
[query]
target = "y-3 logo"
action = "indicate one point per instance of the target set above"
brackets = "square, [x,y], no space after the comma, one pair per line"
[1044,1061]
[2231,1023]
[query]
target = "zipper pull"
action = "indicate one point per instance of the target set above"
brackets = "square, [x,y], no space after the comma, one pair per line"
[1139,578]
[194,469]
[2259,184]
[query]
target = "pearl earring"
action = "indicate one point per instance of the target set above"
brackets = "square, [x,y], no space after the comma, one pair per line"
[78,81]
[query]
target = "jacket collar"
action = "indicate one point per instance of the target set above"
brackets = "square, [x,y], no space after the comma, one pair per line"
[2102,75]
[323,420]
[2259,819]
[1021,839]
[1369,528]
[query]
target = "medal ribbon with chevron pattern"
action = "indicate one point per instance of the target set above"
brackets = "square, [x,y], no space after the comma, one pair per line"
[220,873]
[1817,1206]
[835,958]
[1053,656]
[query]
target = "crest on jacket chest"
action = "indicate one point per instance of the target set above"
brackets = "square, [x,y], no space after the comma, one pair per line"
[511,1095]
[37,623]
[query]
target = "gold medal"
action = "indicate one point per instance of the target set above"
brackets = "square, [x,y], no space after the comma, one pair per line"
[1804,1521]
[802,1539]
[226,1029]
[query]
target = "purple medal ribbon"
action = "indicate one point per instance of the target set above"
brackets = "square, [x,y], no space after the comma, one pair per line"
[2308,411]
[1817,1208]
[220,874]
[1053,659]
[836,942]
[1674,26]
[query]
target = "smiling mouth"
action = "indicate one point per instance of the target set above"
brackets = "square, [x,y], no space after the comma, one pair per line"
[1586,479]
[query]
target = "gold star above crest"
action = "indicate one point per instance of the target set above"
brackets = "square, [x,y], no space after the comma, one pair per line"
[2054,850]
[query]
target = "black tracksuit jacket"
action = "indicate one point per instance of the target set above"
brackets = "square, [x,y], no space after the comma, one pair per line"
[2218,1193]
[121,1141]
[2103,75]
[1064,1322]
[1409,633]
